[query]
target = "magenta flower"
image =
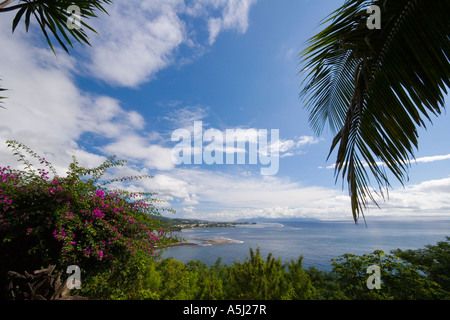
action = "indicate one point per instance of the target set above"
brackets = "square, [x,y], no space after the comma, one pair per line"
[100,194]
[98,213]
[82,220]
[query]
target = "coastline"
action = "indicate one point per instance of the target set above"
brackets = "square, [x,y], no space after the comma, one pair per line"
[177,224]
[204,242]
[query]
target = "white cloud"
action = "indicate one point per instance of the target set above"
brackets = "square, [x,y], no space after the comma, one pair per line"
[205,194]
[428,159]
[296,146]
[432,159]
[47,112]
[43,105]
[170,187]
[105,116]
[140,38]
[184,117]
[426,198]
[138,148]
[220,196]
[235,15]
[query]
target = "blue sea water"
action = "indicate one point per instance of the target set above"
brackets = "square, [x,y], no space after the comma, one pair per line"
[318,242]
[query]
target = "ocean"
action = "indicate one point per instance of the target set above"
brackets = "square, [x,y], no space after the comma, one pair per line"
[318,242]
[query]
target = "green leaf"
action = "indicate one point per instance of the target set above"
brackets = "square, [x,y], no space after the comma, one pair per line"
[52,17]
[18,17]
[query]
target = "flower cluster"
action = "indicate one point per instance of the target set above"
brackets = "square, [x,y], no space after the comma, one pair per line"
[74,219]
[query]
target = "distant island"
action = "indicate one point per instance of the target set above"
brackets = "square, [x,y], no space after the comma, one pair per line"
[177,224]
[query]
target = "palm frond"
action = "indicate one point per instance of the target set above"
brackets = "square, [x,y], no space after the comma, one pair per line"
[376,87]
[53,18]
[1,98]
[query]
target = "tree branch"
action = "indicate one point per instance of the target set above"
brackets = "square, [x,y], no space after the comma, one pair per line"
[5,3]
[17,6]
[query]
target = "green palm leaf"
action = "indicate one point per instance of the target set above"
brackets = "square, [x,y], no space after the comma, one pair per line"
[374,88]
[52,17]
[1,98]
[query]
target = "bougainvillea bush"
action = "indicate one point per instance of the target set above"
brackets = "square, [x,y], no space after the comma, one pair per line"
[75,219]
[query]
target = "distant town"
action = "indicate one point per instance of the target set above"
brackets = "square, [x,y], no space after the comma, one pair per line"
[179,224]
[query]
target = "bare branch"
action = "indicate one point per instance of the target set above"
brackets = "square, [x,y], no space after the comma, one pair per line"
[5,3]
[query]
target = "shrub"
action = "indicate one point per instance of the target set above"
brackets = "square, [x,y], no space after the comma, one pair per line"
[259,279]
[75,219]
[399,280]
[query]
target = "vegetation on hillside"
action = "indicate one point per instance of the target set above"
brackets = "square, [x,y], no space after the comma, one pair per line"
[116,238]
[402,278]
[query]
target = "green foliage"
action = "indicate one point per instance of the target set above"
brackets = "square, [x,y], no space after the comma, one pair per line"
[298,281]
[259,279]
[137,280]
[75,220]
[256,279]
[325,284]
[53,16]
[399,280]
[209,280]
[433,261]
[177,282]
[269,279]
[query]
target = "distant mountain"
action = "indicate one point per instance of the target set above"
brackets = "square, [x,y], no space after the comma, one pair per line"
[185,223]
[279,220]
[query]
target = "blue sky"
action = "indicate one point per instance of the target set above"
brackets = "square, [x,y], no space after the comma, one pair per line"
[159,66]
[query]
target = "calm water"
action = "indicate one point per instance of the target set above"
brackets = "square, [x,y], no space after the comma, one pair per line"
[318,242]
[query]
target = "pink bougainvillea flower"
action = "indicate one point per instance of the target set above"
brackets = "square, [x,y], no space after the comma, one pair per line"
[100,194]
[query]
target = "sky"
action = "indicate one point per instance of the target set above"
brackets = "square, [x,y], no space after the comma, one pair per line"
[162,67]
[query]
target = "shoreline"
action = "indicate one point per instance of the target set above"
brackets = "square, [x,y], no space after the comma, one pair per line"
[204,242]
